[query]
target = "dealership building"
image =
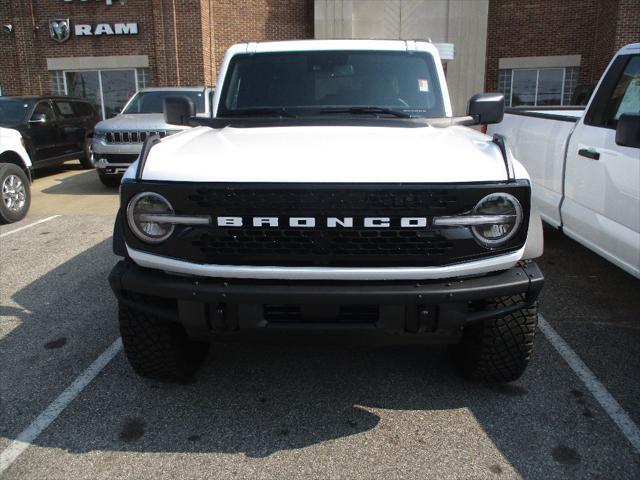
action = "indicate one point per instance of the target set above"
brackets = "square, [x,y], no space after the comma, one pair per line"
[534,51]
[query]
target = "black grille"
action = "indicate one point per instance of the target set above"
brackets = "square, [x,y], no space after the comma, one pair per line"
[344,201]
[323,246]
[135,136]
[296,242]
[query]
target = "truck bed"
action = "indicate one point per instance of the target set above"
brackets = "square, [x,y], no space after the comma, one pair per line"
[564,114]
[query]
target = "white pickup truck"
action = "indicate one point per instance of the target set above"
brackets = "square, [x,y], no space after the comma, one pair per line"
[333,193]
[585,164]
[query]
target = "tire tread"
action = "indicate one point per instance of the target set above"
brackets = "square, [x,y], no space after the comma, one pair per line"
[498,350]
[157,348]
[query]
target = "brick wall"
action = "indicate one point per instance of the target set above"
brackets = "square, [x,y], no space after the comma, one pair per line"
[628,27]
[30,19]
[184,39]
[255,20]
[594,29]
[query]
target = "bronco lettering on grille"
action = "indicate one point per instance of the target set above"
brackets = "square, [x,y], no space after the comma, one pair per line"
[329,222]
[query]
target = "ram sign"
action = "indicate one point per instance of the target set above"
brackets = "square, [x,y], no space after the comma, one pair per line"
[82,30]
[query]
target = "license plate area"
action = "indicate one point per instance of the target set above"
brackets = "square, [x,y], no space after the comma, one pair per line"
[320,313]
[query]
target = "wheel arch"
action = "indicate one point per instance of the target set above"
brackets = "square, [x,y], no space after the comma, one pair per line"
[10,156]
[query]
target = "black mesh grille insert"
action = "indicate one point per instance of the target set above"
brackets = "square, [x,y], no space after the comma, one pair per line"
[337,201]
[288,241]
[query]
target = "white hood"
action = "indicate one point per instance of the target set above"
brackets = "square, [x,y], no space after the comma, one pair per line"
[328,154]
[136,121]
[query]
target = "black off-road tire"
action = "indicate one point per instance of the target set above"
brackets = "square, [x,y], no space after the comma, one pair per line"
[87,160]
[8,215]
[110,181]
[498,350]
[157,348]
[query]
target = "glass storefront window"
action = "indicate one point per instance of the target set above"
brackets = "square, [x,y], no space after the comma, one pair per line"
[85,85]
[107,90]
[118,86]
[550,86]
[542,86]
[523,90]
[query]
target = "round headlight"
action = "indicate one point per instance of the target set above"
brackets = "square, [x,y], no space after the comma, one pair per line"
[506,213]
[144,213]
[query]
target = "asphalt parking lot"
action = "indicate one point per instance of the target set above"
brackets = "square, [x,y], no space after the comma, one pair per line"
[293,411]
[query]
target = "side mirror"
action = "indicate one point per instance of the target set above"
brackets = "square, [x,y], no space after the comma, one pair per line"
[117,110]
[486,107]
[628,130]
[178,110]
[38,118]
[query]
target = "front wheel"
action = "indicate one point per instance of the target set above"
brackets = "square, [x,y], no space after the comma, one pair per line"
[15,193]
[87,160]
[498,350]
[157,348]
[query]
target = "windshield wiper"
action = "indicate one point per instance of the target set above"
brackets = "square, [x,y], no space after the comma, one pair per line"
[257,112]
[367,111]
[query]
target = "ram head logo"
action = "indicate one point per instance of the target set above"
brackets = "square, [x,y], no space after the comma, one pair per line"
[60,29]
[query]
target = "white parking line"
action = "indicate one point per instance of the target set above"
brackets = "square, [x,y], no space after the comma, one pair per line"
[597,389]
[6,234]
[55,408]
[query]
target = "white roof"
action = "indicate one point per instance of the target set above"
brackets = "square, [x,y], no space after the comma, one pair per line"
[319,45]
[630,48]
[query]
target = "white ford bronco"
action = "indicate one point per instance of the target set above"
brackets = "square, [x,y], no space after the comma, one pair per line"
[332,194]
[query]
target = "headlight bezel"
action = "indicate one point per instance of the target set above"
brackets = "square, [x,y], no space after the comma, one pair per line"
[499,242]
[133,223]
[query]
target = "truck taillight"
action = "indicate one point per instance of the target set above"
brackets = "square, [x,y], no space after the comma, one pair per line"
[483,128]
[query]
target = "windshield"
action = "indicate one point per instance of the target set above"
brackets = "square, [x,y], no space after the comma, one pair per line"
[13,112]
[332,81]
[153,102]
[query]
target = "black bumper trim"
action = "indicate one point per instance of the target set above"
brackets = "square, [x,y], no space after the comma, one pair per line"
[223,305]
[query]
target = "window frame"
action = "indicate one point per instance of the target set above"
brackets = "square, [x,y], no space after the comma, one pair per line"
[596,115]
[141,75]
[35,107]
[58,111]
[437,87]
[537,70]
[535,97]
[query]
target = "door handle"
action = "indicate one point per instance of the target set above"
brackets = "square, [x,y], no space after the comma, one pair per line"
[589,153]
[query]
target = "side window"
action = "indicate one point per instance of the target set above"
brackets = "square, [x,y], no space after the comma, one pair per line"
[64,109]
[82,109]
[626,94]
[618,93]
[45,109]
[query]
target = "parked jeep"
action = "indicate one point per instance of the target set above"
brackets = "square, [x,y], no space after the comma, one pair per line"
[333,193]
[118,140]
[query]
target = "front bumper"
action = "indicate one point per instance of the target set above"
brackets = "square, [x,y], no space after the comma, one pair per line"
[408,312]
[114,159]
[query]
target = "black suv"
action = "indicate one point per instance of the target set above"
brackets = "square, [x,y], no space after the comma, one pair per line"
[54,129]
